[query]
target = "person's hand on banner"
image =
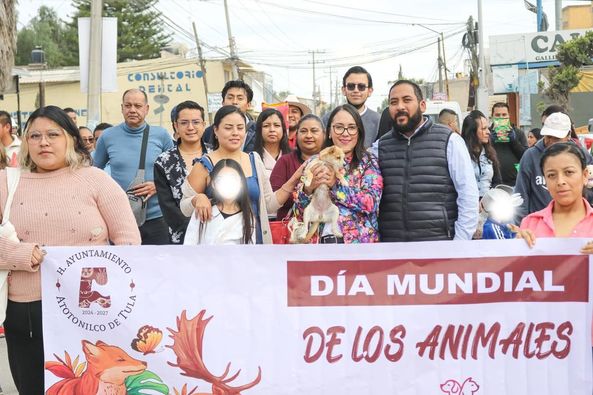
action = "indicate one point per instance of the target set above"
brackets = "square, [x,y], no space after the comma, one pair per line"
[525,234]
[203,207]
[37,257]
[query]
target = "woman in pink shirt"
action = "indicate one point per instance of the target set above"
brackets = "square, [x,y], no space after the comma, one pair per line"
[60,200]
[568,214]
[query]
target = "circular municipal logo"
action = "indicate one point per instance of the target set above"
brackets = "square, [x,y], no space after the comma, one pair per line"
[96,290]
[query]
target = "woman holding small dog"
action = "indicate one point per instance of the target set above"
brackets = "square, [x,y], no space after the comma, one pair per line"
[229,136]
[358,201]
[310,136]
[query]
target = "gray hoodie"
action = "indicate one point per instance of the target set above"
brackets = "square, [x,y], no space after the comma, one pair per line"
[531,183]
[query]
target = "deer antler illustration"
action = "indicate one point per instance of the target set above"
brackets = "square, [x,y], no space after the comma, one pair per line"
[187,346]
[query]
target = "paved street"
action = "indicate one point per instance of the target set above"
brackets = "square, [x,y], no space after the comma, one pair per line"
[5,379]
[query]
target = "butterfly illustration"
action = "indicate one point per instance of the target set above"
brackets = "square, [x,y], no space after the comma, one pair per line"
[147,339]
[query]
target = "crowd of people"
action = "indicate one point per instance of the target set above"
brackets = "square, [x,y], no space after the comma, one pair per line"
[402,177]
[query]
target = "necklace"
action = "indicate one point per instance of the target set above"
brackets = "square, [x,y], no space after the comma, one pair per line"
[190,153]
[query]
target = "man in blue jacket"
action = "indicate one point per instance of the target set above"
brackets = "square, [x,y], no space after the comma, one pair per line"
[120,146]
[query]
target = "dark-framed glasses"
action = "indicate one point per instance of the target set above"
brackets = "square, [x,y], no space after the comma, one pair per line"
[350,129]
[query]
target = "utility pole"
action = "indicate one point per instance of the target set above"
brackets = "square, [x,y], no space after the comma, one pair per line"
[203,68]
[337,91]
[232,48]
[558,7]
[440,64]
[95,65]
[482,93]
[445,66]
[314,62]
[540,15]
[331,83]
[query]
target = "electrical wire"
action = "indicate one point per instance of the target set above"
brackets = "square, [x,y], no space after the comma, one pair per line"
[353,18]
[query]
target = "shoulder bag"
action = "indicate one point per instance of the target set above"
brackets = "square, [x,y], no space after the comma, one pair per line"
[139,203]
[7,231]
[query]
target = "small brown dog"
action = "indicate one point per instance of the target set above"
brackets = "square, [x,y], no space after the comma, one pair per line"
[321,209]
[332,157]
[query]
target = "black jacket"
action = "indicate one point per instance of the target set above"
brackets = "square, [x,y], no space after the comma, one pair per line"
[419,201]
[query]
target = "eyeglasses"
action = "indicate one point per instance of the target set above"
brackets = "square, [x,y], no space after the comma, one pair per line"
[50,136]
[88,139]
[340,129]
[361,87]
[185,124]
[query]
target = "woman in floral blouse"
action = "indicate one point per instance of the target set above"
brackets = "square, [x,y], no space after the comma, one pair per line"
[359,201]
[171,167]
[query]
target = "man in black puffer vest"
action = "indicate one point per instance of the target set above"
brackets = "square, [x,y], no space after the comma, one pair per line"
[429,188]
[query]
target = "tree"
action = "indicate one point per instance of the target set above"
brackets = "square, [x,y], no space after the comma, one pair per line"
[47,31]
[140,33]
[7,41]
[572,55]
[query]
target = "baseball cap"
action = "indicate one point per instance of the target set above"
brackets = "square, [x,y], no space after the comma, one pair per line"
[557,125]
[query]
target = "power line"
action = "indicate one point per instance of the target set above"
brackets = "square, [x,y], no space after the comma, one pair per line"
[312,12]
[382,12]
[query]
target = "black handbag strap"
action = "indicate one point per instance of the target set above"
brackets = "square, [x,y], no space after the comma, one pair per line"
[142,164]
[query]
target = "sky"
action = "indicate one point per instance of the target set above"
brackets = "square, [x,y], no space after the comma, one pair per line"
[277,37]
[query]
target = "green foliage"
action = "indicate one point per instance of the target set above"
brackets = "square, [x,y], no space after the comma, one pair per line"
[47,31]
[140,33]
[136,385]
[572,55]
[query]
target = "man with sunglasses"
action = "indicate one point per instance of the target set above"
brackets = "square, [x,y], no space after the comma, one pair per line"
[357,87]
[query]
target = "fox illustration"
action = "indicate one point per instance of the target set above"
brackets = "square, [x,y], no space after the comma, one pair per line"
[107,368]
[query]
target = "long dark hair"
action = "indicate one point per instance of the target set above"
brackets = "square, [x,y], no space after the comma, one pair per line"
[243,200]
[259,139]
[469,132]
[359,152]
[76,157]
[218,117]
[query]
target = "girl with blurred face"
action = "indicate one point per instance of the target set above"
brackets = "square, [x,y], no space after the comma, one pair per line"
[229,135]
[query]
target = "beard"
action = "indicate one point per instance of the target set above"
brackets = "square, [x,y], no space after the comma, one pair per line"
[410,125]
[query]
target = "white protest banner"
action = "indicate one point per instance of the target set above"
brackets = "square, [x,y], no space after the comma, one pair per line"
[455,318]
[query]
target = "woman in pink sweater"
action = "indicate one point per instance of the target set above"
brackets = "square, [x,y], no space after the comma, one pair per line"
[60,201]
